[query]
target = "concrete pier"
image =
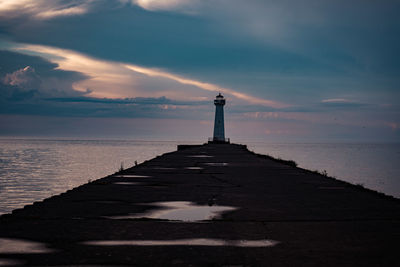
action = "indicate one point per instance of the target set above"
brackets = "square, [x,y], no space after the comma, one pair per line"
[211,205]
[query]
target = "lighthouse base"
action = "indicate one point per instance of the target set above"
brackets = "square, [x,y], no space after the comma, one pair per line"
[213,140]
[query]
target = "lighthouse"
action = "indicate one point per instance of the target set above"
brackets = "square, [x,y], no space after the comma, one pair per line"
[219,131]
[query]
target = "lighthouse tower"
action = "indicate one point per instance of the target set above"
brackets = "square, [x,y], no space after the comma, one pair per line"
[219,131]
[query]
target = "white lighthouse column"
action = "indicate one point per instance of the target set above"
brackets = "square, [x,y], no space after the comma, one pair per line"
[219,130]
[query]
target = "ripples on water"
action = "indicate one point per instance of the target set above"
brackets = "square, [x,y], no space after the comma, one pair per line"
[31,170]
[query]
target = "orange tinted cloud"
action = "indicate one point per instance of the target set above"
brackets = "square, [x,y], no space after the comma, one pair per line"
[111,79]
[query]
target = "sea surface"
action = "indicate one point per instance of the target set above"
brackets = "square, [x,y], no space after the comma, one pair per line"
[34,169]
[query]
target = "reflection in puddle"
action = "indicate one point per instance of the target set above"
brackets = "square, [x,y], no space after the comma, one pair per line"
[180,211]
[186,242]
[164,168]
[11,262]
[200,156]
[128,183]
[194,168]
[217,164]
[131,176]
[18,246]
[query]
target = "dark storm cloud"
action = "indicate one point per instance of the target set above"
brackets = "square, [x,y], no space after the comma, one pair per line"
[31,85]
[31,103]
[188,44]
[105,109]
[137,100]
[284,36]
[342,104]
[21,73]
[280,50]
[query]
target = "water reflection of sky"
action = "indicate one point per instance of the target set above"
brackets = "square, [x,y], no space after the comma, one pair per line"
[186,242]
[180,211]
[31,170]
[20,246]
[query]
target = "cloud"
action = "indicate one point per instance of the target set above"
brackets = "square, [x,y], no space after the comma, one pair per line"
[30,103]
[57,82]
[341,103]
[184,6]
[336,100]
[43,9]
[260,18]
[25,78]
[137,100]
[206,86]
[333,62]
[360,36]
[108,79]
[33,85]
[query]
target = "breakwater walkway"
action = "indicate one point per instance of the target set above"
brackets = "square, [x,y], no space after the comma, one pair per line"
[211,205]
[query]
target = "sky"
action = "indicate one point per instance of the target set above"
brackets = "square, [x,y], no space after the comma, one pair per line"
[291,71]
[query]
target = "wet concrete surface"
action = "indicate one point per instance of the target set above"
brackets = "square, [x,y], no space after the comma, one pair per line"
[289,216]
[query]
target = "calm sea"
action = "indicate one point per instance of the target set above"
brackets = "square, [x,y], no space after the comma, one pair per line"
[33,169]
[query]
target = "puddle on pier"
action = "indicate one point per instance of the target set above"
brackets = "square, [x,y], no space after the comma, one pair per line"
[217,164]
[130,176]
[200,156]
[194,168]
[11,262]
[20,246]
[186,242]
[179,211]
